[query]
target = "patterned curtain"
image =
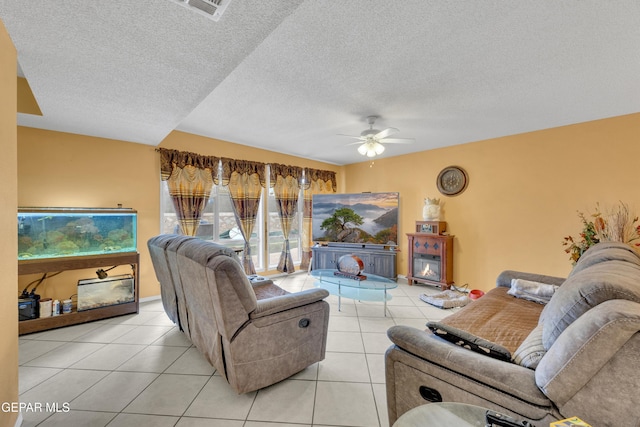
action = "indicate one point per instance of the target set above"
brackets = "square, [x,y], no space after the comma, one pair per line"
[316,182]
[190,178]
[286,181]
[245,180]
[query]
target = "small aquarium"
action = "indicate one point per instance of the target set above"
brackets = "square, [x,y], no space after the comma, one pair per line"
[71,232]
[97,293]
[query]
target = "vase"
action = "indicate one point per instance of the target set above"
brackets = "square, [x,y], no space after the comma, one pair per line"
[430,211]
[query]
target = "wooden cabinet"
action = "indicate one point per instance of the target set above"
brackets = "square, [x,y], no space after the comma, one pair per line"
[430,259]
[76,263]
[379,260]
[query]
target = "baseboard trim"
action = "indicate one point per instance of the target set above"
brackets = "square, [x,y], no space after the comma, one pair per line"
[152,298]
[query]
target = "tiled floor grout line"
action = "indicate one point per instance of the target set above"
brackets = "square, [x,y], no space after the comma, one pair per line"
[116,370]
[196,396]
[315,395]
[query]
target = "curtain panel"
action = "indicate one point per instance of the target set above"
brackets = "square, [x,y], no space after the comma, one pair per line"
[190,178]
[286,182]
[316,182]
[245,180]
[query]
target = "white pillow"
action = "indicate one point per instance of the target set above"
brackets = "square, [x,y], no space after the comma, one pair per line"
[532,291]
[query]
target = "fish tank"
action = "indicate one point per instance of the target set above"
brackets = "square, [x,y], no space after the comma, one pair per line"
[97,293]
[72,232]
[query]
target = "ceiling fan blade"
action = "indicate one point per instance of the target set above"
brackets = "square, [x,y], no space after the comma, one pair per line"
[397,140]
[385,133]
[352,136]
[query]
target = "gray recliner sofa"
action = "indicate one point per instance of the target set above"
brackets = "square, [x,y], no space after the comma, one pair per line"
[578,355]
[253,334]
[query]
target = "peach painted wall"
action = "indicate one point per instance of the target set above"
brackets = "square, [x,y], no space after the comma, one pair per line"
[8,204]
[26,101]
[523,194]
[59,169]
[62,169]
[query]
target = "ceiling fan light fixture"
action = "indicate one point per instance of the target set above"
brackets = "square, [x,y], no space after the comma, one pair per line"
[371,149]
[372,140]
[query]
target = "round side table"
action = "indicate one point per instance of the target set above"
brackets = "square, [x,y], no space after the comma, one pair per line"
[443,414]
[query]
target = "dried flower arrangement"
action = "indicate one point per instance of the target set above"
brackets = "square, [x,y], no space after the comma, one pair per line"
[616,225]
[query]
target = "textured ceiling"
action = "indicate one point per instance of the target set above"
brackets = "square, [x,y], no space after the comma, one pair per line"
[290,75]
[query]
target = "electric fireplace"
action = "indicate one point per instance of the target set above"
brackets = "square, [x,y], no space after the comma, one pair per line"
[430,259]
[426,267]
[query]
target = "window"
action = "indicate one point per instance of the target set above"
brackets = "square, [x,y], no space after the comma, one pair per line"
[217,224]
[275,239]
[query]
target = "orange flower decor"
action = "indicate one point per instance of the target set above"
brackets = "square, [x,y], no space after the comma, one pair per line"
[617,225]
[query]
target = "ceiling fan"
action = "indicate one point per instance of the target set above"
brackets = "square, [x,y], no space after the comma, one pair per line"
[371,140]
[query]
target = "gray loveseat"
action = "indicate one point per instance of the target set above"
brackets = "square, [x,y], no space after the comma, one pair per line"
[578,355]
[254,334]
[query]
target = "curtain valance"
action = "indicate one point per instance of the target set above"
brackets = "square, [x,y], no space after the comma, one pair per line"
[170,158]
[242,167]
[316,175]
[276,169]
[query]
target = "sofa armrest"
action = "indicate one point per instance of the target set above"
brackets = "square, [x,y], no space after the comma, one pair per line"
[280,303]
[504,278]
[505,376]
[257,283]
[586,347]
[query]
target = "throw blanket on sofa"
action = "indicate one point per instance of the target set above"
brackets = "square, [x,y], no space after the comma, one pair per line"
[495,324]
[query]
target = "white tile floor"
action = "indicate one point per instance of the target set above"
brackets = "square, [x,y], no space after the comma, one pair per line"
[139,370]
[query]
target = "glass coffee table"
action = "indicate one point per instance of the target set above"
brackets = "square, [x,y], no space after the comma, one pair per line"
[374,288]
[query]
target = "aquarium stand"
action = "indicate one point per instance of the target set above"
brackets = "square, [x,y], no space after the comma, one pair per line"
[36,266]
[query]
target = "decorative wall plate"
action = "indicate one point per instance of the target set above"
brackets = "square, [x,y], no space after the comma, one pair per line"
[452,181]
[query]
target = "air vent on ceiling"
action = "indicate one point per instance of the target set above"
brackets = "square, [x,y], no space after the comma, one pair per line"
[212,9]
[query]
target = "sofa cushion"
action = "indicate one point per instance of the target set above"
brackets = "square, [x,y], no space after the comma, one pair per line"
[157,250]
[603,252]
[495,324]
[531,350]
[603,281]
[268,290]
